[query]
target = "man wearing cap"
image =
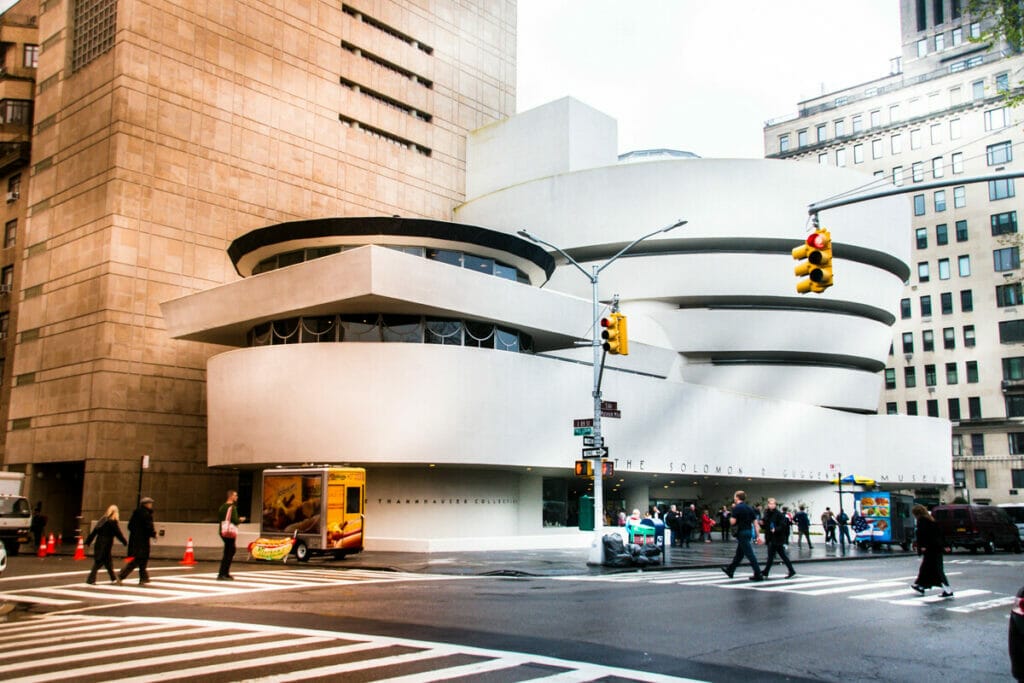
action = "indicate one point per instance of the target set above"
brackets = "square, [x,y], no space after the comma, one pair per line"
[141,529]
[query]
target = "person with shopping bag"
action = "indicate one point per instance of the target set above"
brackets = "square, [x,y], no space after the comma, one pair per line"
[229,521]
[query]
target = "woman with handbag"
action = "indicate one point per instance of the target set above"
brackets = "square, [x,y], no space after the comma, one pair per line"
[229,521]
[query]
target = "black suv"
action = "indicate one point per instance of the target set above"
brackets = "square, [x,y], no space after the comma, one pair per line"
[977,526]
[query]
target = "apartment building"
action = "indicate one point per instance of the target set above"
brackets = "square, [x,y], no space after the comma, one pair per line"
[935,127]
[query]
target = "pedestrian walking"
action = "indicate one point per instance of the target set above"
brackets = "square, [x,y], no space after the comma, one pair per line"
[38,524]
[828,524]
[106,530]
[141,531]
[843,522]
[228,512]
[930,546]
[723,522]
[705,526]
[743,518]
[803,527]
[775,527]
[687,523]
[672,523]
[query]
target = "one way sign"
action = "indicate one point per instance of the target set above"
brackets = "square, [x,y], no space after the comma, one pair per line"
[596,452]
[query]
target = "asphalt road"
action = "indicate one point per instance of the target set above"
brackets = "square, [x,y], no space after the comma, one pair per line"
[855,621]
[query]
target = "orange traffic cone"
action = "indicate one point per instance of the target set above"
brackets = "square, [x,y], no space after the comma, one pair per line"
[80,550]
[42,547]
[51,548]
[190,554]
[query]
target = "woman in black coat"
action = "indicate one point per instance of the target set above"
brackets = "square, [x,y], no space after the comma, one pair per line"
[930,545]
[105,531]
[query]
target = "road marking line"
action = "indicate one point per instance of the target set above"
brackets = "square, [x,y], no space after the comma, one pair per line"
[985,604]
[850,589]
[54,602]
[969,593]
[456,671]
[85,572]
[791,587]
[133,595]
[882,595]
[60,642]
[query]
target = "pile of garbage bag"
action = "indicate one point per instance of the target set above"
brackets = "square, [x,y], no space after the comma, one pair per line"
[619,554]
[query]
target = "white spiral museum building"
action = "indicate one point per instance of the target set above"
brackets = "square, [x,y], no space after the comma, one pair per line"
[444,356]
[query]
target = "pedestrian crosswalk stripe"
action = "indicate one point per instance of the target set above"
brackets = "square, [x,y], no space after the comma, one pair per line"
[855,587]
[53,602]
[180,651]
[966,593]
[1002,601]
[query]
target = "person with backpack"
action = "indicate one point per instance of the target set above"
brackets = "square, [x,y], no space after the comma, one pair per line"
[803,527]
[843,521]
[775,527]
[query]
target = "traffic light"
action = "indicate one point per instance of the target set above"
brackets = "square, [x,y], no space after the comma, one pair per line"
[616,341]
[584,468]
[816,267]
[607,468]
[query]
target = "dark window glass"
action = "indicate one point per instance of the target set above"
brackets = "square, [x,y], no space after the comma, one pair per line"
[443,331]
[946,301]
[291,258]
[402,328]
[929,375]
[918,204]
[905,311]
[941,234]
[949,338]
[980,479]
[1011,331]
[1009,295]
[951,373]
[926,306]
[480,335]
[969,335]
[922,238]
[911,407]
[974,407]
[908,342]
[953,406]
[453,258]
[1004,223]
[909,378]
[319,329]
[480,265]
[966,300]
[932,406]
[927,340]
[360,327]
[961,231]
[1001,189]
[1013,368]
[1006,259]
[890,378]
[890,409]
[1017,476]
[972,371]
[1015,406]
[977,444]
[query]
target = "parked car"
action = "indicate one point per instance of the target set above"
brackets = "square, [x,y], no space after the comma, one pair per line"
[1016,512]
[1016,637]
[977,526]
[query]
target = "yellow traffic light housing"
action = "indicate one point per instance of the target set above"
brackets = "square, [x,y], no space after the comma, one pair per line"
[816,267]
[616,339]
[584,468]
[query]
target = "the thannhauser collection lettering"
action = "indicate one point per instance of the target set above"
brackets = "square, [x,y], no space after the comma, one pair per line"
[447,501]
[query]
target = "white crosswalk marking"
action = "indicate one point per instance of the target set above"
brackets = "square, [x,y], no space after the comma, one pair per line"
[182,586]
[65,648]
[895,591]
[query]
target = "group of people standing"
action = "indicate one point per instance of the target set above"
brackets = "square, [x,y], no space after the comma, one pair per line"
[141,532]
[683,523]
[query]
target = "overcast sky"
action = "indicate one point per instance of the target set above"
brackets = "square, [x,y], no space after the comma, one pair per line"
[695,75]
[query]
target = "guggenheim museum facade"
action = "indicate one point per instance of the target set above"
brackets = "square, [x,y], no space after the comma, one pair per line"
[450,358]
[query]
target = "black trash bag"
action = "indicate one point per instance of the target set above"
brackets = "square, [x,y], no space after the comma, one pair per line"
[615,553]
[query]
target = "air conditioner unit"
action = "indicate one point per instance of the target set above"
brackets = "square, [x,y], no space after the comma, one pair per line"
[12,196]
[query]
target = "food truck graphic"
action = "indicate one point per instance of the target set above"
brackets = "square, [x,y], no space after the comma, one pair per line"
[320,508]
[887,518]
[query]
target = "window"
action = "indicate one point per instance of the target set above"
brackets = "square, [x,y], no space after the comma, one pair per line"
[1011,331]
[948,338]
[910,381]
[841,157]
[879,174]
[1004,223]
[94,25]
[876,149]
[857,123]
[943,268]
[7,277]
[917,171]
[897,176]
[1013,368]
[31,56]
[876,118]
[908,342]
[940,42]
[918,204]
[16,111]
[784,143]
[1000,189]
[822,129]
[922,271]
[890,378]
[905,308]
[922,238]
[935,133]
[999,153]
[946,303]
[1002,82]
[937,12]
[974,407]
[957,162]
[964,265]
[915,139]
[1006,259]
[858,154]
[10,233]
[929,375]
[969,335]
[890,408]
[980,479]
[940,200]
[894,113]
[1009,295]
[823,159]
[958,445]
[928,340]
[972,371]
[961,231]
[996,119]
[978,444]
[953,408]
[955,11]
[954,129]
[896,143]
[957,37]
[922,47]
[951,375]
[911,407]
[840,127]
[941,234]
[1017,477]
[978,90]
[932,406]
[1015,408]
[975,30]
[966,300]
[959,197]
[801,138]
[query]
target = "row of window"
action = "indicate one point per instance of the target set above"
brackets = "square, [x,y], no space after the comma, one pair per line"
[931,375]
[928,340]
[376,327]
[488,266]
[932,408]
[939,15]
[981,475]
[942,233]
[938,42]
[963,264]
[945,304]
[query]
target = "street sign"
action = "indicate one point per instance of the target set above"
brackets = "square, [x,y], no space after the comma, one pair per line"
[595,452]
[584,422]
[582,431]
[593,441]
[611,413]
[609,405]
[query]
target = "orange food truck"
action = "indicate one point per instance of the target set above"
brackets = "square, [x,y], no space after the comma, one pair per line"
[321,508]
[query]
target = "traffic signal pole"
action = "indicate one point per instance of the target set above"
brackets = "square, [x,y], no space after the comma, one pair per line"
[596,556]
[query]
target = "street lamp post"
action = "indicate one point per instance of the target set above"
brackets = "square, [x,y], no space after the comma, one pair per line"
[597,546]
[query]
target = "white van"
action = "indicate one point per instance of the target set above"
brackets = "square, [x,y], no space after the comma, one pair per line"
[1016,512]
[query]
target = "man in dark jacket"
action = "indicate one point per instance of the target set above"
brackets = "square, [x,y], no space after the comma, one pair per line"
[775,527]
[141,530]
[672,522]
[687,523]
[803,527]
[743,519]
